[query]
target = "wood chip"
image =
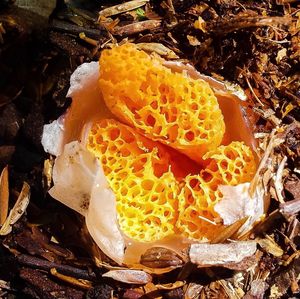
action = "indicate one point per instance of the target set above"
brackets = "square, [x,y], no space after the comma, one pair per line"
[278,180]
[137,27]
[117,9]
[206,255]
[82,283]
[129,276]
[158,48]
[290,208]
[270,246]
[4,195]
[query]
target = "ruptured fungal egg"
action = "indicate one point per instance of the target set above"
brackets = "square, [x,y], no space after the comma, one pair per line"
[165,139]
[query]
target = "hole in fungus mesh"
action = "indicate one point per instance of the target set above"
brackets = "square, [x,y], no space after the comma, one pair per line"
[239,163]
[154,105]
[150,120]
[163,89]
[167,213]
[99,139]
[114,134]
[113,148]
[173,132]
[214,187]
[228,177]
[192,227]
[207,177]
[124,191]
[190,200]
[237,171]
[189,136]
[147,185]
[203,136]
[128,137]
[164,99]
[154,198]
[162,200]
[224,164]
[201,115]
[195,107]
[194,183]
[165,228]
[170,195]
[247,159]
[125,152]
[229,154]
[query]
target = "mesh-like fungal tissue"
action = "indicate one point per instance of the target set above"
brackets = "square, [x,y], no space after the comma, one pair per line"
[163,154]
[168,107]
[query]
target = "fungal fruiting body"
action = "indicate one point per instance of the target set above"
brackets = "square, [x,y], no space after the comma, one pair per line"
[151,202]
[230,165]
[168,107]
[138,171]
[164,122]
[165,146]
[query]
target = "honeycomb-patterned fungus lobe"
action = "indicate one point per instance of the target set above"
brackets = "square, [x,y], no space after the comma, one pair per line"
[138,171]
[160,191]
[229,165]
[168,107]
[151,203]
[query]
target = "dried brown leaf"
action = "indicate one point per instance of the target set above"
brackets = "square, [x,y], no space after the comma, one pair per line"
[292,185]
[159,257]
[4,195]
[270,246]
[158,48]
[278,180]
[17,211]
[82,283]
[228,231]
[170,286]
[193,291]
[257,291]
[129,276]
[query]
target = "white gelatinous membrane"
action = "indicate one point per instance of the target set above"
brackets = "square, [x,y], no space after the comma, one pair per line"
[53,134]
[80,183]
[101,220]
[237,203]
[74,173]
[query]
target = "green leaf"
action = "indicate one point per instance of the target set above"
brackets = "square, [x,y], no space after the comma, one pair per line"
[140,13]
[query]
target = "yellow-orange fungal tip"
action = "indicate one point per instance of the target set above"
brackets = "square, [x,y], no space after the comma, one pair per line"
[165,106]
[229,165]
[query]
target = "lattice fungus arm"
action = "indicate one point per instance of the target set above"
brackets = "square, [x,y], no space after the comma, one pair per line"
[229,165]
[168,107]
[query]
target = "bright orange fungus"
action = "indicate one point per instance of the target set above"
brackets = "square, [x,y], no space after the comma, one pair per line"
[167,107]
[159,191]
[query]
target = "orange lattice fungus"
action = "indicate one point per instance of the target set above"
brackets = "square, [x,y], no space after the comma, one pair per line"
[168,107]
[138,171]
[229,165]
